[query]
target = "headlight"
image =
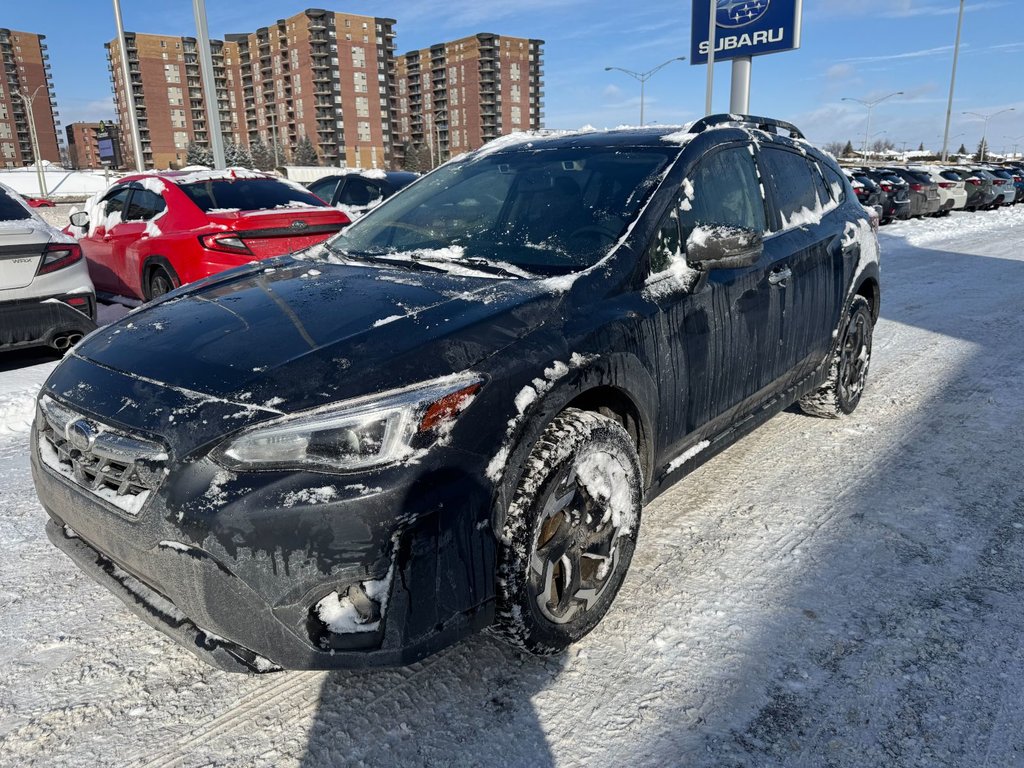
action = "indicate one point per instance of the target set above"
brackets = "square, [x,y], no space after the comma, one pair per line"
[356,434]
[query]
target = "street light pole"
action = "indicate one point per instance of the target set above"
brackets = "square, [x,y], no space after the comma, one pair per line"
[952,83]
[215,139]
[1015,139]
[33,136]
[870,106]
[643,77]
[129,91]
[984,133]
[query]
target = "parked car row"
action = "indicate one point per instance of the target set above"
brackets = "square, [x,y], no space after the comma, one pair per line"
[903,192]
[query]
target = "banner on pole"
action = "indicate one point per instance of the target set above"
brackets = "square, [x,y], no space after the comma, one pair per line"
[745,28]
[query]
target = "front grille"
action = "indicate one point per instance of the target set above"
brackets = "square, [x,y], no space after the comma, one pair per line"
[118,468]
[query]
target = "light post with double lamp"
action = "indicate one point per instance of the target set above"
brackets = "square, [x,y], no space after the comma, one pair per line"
[984,133]
[643,77]
[870,107]
[1015,140]
[33,137]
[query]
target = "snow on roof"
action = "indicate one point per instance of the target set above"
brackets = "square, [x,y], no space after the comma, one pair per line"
[206,174]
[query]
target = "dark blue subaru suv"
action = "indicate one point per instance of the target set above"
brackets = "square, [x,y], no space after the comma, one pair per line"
[450,416]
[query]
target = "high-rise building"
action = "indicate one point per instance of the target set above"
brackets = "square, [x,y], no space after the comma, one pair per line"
[170,99]
[93,145]
[325,76]
[318,75]
[454,97]
[25,69]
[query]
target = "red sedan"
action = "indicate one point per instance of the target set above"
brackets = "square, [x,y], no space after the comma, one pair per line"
[150,233]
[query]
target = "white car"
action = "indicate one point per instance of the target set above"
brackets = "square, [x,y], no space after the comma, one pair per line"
[952,187]
[46,296]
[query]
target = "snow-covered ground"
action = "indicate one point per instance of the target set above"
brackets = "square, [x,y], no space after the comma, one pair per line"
[842,593]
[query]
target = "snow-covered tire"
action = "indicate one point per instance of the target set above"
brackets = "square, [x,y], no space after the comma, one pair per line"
[570,532]
[848,369]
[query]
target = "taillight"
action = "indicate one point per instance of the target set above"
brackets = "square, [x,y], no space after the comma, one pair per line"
[999,182]
[887,187]
[975,182]
[225,244]
[917,187]
[947,184]
[59,255]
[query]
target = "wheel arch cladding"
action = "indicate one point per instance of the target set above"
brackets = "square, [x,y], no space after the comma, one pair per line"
[616,385]
[871,291]
[150,264]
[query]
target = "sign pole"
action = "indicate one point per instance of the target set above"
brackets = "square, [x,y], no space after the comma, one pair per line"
[711,56]
[739,103]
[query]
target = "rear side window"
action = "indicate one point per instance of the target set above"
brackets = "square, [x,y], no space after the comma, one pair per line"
[144,205]
[836,185]
[791,179]
[248,195]
[824,196]
[725,190]
[11,209]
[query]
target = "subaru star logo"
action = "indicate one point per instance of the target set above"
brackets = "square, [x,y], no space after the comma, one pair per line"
[299,224]
[82,434]
[740,13]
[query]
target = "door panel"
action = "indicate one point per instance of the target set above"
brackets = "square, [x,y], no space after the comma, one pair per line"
[99,245]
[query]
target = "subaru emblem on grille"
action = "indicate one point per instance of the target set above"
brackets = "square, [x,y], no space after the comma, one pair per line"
[82,434]
[299,224]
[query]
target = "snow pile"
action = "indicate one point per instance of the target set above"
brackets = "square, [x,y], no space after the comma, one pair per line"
[340,615]
[229,174]
[686,455]
[606,482]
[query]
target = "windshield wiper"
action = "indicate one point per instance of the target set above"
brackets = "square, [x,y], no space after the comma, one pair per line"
[476,262]
[369,258]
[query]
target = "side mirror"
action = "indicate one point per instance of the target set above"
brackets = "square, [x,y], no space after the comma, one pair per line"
[80,219]
[723,246]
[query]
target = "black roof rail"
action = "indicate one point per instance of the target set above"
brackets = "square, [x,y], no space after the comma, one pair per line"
[767,124]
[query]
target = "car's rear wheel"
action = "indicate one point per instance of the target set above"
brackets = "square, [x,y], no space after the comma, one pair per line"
[848,370]
[570,532]
[159,283]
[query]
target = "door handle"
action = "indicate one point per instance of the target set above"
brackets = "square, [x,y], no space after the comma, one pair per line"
[780,276]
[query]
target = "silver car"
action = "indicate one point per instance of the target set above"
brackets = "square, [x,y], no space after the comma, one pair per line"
[46,296]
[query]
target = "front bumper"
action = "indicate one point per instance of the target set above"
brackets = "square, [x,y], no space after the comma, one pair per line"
[37,322]
[237,581]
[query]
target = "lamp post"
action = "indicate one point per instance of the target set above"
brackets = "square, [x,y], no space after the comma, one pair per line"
[870,106]
[33,137]
[952,83]
[643,77]
[984,133]
[1014,139]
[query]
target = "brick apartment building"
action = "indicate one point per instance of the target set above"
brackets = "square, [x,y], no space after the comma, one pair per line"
[456,96]
[322,75]
[25,68]
[84,145]
[328,77]
[170,99]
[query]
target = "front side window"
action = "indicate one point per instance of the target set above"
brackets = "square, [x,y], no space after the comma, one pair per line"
[324,189]
[546,211]
[723,189]
[115,202]
[359,192]
[144,205]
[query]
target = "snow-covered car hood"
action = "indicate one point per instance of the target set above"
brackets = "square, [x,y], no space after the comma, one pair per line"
[294,336]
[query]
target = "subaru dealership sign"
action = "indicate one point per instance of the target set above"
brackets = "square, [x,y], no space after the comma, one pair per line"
[745,28]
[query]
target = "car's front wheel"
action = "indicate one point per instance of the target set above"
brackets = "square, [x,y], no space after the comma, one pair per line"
[848,369]
[570,532]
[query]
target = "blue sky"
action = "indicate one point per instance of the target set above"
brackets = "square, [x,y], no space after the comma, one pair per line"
[856,48]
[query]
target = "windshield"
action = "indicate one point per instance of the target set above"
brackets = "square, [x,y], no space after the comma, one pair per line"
[543,211]
[247,195]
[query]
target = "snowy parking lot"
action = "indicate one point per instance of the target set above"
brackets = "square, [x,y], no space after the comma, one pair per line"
[822,593]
